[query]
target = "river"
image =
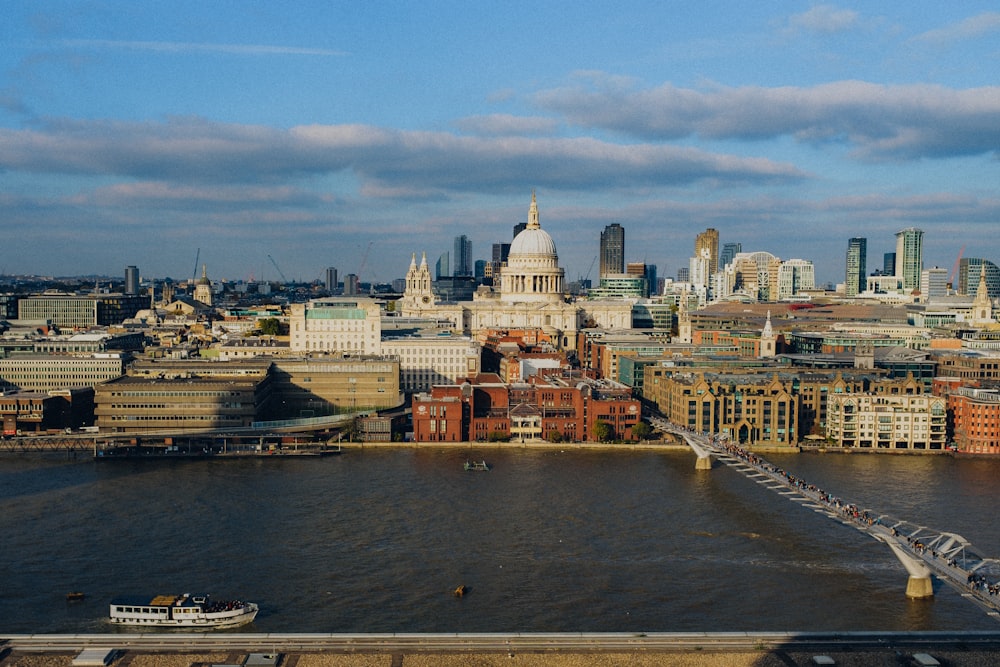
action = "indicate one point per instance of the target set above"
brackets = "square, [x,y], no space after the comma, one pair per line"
[376,540]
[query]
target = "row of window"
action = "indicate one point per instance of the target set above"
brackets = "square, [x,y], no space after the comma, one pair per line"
[173,394]
[142,610]
[175,418]
[174,406]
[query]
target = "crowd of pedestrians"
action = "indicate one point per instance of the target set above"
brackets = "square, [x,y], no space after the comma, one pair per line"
[978,583]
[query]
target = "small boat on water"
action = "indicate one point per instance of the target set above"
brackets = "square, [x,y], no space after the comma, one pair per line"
[477,465]
[182,611]
[75,596]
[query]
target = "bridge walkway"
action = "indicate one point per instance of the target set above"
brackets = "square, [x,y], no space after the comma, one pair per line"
[923,551]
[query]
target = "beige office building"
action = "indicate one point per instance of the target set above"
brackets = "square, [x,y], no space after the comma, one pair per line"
[346,326]
[321,386]
[45,372]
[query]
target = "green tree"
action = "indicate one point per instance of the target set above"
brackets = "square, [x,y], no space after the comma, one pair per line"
[270,326]
[642,431]
[352,430]
[602,431]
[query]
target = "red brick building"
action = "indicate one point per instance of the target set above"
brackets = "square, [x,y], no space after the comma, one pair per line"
[975,420]
[557,406]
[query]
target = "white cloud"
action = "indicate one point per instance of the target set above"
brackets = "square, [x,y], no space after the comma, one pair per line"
[507,125]
[970,28]
[200,47]
[879,122]
[824,19]
[196,151]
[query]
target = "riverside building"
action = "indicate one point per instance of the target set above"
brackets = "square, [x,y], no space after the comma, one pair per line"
[975,420]
[185,396]
[887,421]
[556,406]
[46,372]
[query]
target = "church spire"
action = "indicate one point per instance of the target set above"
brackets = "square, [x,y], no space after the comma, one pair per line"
[982,305]
[533,213]
[982,291]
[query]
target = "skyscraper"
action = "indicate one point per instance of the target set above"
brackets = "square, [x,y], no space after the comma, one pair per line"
[131,280]
[463,256]
[909,256]
[500,252]
[499,260]
[442,268]
[969,271]
[708,240]
[729,251]
[331,279]
[934,282]
[613,250]
[856,273]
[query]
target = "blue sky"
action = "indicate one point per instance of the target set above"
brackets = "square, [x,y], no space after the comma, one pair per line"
[356,134]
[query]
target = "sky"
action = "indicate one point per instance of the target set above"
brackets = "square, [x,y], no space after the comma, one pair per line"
[267,139]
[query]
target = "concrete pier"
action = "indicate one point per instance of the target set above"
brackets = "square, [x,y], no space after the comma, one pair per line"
[919,587]
[919,584]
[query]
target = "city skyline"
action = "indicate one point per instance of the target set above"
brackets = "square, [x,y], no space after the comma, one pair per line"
[322,137]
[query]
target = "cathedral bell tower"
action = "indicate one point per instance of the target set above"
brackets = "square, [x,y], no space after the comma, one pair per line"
[418,293]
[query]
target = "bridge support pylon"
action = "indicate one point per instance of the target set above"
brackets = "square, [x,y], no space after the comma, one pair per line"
[703,462]
[919,584]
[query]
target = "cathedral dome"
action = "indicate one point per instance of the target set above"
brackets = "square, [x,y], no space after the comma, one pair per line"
[532,274]
[533,242]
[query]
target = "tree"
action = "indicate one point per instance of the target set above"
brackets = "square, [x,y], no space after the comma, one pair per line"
[642,431]
[602,431]
[270,326]
[352,430]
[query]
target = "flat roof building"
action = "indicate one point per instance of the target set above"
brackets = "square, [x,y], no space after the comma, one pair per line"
[81,311]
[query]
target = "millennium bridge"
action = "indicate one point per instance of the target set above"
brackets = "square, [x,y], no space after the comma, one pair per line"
[923,552]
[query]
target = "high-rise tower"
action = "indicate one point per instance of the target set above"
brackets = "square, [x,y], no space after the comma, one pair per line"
[729,251]
[856,273]
[131,280]
[613,250]
[463,256]
[708,241]
[909,256]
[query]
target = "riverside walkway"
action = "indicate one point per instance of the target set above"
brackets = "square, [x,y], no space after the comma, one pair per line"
[923,551]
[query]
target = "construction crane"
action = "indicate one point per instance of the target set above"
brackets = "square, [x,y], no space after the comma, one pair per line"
[194,274]
[364,259]
[283,278]
[954,269]
[592,262]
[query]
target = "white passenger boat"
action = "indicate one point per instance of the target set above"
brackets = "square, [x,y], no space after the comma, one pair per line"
[182,611]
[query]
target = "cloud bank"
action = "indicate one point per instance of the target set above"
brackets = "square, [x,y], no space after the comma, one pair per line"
[877,122]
